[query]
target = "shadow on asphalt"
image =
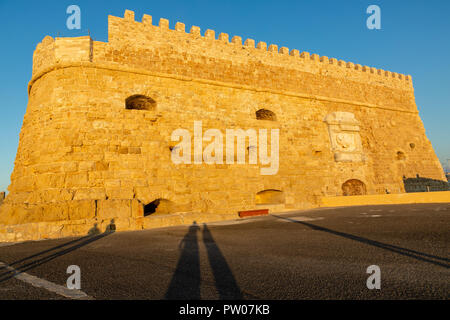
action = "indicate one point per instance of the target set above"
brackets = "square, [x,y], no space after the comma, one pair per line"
[20,267]
[185,283]
[223,276]
[402,251]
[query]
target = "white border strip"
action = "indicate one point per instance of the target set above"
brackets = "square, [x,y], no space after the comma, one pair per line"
[47,285]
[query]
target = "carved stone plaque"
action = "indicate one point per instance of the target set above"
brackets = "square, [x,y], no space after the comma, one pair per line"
[345,138]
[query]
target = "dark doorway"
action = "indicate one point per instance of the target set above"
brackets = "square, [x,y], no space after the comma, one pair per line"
[159,206]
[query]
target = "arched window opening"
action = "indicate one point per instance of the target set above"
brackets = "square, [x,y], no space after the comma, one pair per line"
[270,197]
[264,114]
[159,206]
[354,187]
[401,155]
[140,102]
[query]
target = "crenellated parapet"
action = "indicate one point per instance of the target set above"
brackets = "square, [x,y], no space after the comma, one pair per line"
[128,32]
[143,47]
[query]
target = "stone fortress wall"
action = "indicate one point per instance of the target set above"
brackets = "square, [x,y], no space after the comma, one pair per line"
[85,159]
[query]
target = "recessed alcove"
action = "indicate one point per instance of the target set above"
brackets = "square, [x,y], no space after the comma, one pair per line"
[140,102]
[354,187]
[270,196]
[264,114]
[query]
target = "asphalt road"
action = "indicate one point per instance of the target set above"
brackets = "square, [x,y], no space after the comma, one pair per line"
[314,254]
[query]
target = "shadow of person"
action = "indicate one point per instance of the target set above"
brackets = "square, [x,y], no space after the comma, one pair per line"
[94,230]
[48,255]
[226,284]
[111,228]
[185,283]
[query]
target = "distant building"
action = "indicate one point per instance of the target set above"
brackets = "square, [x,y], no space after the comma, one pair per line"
[420,184]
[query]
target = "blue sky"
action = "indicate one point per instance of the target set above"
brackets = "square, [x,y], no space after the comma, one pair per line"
[414,39]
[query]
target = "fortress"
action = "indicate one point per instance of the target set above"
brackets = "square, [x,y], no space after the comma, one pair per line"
[95,146]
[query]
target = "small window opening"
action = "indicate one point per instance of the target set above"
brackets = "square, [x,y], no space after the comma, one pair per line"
[264,114]
[140,102]
[401,155]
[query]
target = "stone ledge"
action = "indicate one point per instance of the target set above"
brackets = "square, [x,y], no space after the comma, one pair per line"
[379,199]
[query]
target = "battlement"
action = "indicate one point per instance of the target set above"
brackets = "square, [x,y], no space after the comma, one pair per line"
[127,29]
[158,46]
